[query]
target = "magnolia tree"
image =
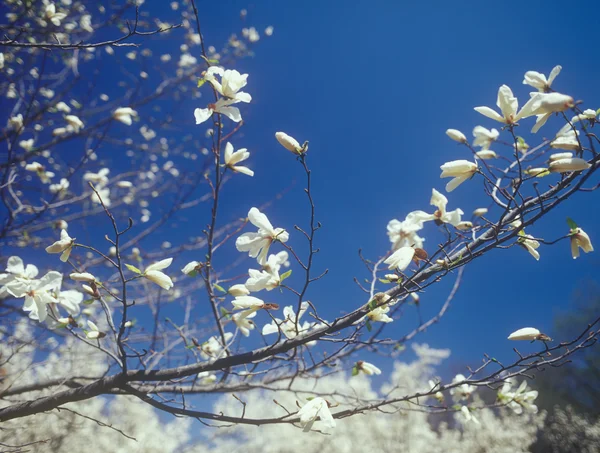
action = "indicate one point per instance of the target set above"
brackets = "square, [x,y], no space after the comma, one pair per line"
[95,173]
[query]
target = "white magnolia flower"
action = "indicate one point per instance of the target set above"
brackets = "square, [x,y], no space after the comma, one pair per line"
[317,408]
[124,115]
[64,246]
[268,278]
[469,417]
[486,154]
[519,399]
[243,322]
[539,81]
[288,324]
[47,93]
[557,156]
[147,133]
[100,178]
[124,184]
[543,105]
[459,170]
[456,135]
[101,195]
[40,170]
[74,123]
[238,290]
[61,186]
[566,139]
[401,258]
[463,391]
[86,23]
[94,333]
[60,131]
[568,165]
[154,274]
[37,293]
[247,303]
[289,143]
[213,348]
[441,215]
[190,268]
[231,83]
[70,301]
[82,277]
[232,158]
[587,114]
[379,314]
[185,60]
[484,137]
[530,244]
[221,106]
[528,333]
[367,368]
[250,34]
[16,272]
[404,234]
[257,244]
[538,172]
[438,395]
[63,107]
[580,239]
[480,212]
[465,225]
[52,15]
[508,105]
[515,224]
[16,122]
[27,145]
[207,378]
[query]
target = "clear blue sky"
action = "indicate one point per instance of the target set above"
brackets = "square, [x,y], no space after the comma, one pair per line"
[374,85]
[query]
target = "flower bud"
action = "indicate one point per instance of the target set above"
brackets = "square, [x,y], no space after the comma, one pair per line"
[238,290]
[91,291]
[82,277]
[538,172]
[486,154]
[557,156]
[528,333]
[464,226]
[456,135]
[568,165]
[289,143]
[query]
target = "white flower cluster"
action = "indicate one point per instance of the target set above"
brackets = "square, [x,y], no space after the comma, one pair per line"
[43,295]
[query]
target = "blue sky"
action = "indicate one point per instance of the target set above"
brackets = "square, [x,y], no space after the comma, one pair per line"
[373,86]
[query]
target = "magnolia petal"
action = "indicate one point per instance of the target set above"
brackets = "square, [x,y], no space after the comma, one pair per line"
[555,71]
[163,264]
[202,115]
[454,183]
[401,258]
[233,113]
[490,113]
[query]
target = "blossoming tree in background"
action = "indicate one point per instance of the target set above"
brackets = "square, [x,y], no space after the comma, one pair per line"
[114,304]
